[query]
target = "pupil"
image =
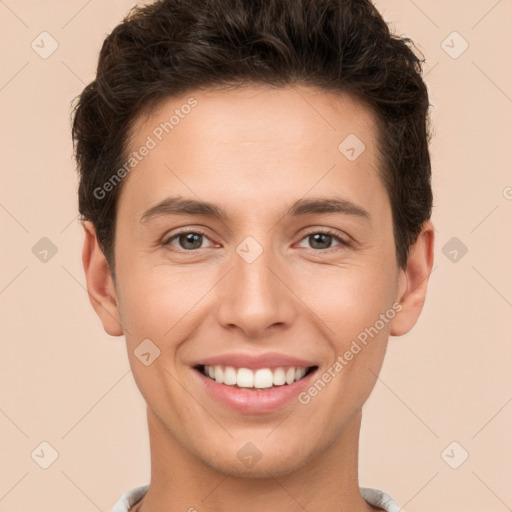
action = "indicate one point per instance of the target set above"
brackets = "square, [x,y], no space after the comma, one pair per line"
[319,238]
[190,240]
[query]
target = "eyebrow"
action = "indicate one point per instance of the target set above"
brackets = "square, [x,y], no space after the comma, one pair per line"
[182,206]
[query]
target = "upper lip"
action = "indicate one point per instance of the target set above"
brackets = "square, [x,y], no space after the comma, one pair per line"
[252,361]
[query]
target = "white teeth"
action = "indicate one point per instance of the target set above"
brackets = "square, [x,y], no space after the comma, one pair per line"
[261,378]
[299,373]
[244,378]
[279,377]
[230,376]
[219,374]
[290,375]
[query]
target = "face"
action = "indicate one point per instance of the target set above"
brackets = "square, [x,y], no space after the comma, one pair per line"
[289,267]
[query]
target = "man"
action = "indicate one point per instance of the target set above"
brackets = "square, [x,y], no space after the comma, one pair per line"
[255,194]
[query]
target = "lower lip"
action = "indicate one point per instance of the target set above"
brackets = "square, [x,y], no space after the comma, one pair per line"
[251,401]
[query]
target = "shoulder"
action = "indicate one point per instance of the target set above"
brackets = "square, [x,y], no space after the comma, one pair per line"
[374,497]
[380,499]
[129,498]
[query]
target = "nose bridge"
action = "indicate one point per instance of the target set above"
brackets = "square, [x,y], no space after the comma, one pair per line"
[253,298]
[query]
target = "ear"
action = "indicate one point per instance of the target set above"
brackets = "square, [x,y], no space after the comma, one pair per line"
[413,281]
[100,285]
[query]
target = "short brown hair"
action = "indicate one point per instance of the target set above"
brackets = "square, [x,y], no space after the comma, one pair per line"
[173,46]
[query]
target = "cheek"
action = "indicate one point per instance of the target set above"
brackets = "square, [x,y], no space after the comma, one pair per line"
[353,308]
[154,300]
[154,311]
[347,300]
[158,302]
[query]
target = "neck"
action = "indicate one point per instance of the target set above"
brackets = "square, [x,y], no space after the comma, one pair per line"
[181,481]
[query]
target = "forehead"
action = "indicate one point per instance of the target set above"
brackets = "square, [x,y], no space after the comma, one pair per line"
[257,112]
[255,143]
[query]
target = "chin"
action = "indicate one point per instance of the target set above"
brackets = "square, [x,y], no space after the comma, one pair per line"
[260,471]
[273,465]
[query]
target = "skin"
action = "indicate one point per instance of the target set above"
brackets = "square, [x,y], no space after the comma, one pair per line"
[254,151]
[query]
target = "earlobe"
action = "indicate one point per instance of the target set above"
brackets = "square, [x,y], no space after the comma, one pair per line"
[100,285]
[414,281]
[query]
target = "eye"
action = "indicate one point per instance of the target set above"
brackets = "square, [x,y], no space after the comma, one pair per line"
[193,240]
[187,240]
[322,240]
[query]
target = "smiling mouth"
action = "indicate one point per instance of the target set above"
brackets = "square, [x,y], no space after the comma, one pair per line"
[260,379]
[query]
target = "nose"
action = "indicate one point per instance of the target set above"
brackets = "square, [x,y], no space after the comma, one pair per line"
[254,298]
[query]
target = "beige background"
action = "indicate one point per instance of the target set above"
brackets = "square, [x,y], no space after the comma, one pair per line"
[65,382]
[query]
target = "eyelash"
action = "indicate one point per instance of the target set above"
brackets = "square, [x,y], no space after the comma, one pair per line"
[319,232]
